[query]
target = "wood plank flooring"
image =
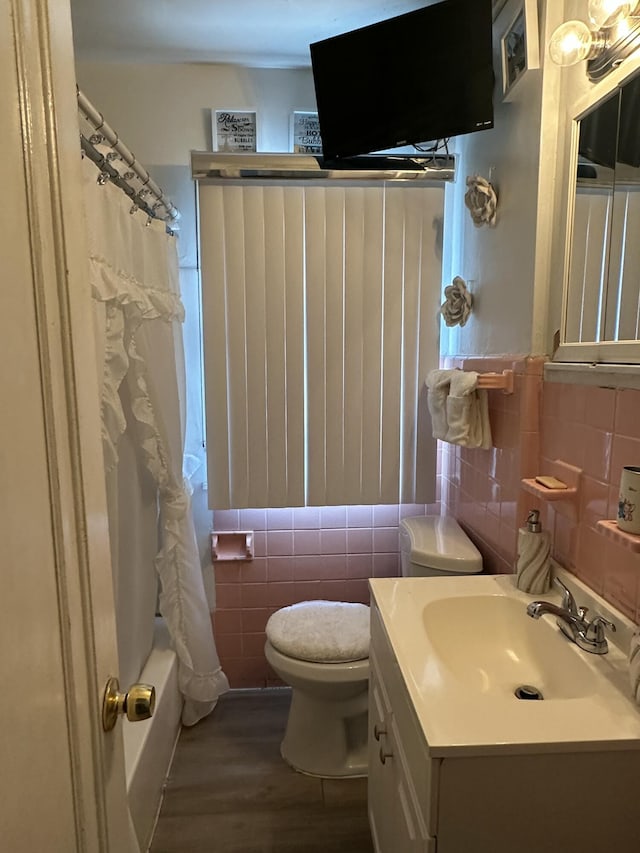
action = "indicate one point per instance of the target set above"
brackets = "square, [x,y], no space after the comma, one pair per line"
[230,791]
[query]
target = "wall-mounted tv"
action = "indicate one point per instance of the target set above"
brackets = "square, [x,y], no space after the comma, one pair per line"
[415,78]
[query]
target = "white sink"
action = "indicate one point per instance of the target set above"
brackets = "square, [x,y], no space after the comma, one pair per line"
[490,645]
[465,644]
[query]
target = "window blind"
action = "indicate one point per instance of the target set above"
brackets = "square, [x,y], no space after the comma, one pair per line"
[320,321]
[603,302]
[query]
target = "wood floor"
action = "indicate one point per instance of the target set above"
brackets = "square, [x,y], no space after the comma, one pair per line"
[230,791]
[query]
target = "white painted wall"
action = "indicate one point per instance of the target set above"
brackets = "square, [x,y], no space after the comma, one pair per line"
[499,263]
[516,268]
[164,111]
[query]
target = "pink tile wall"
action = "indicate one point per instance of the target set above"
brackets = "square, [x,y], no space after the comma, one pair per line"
[300,554]
[330,552]
[481,488]
[595,429]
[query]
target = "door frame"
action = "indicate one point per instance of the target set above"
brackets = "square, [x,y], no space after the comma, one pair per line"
[49,138]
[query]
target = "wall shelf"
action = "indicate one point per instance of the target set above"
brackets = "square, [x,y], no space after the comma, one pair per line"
[546,494]
[565,501]
[610,529]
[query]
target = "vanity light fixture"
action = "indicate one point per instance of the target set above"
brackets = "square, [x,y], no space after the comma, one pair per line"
[612,34]
[607,13]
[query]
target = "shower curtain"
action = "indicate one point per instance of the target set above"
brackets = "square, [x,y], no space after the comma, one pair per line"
[133,272]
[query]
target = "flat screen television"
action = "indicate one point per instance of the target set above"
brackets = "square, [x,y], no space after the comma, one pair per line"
[415,78]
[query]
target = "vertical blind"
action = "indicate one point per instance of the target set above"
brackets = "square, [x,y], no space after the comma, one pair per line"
[603,296]
[623,291]
[320,321]
[589,263]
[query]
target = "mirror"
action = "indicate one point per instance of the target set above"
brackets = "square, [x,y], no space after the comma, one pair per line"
[603,288]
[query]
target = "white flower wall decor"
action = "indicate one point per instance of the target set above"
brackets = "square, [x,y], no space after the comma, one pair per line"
[481,201]
[457,304]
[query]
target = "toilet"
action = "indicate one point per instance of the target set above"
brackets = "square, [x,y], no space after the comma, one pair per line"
[321,649]
[432,546]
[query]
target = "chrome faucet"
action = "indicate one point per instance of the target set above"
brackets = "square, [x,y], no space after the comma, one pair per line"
[573,623]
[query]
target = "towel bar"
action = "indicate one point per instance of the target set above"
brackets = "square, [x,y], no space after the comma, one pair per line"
[500,381]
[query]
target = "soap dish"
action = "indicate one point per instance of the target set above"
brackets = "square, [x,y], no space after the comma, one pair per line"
[564,500]
[547,494]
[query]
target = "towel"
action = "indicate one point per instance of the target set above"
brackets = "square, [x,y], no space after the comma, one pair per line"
[459,411]
[438,383]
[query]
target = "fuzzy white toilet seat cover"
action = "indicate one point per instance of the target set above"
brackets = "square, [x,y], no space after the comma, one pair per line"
[321,631]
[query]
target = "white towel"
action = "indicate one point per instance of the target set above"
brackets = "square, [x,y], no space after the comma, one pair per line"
[459,411]
[438,383]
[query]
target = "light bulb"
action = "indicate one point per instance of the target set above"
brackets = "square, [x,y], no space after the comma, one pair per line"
[607,13]
[570,43]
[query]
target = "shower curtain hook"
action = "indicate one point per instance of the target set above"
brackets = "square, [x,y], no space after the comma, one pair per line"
[142,192]
[113,155]
[103,177]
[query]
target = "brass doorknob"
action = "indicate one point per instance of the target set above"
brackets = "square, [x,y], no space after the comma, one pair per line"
[137,703]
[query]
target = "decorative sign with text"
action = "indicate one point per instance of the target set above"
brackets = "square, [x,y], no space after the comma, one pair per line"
[305,133]
[234,130]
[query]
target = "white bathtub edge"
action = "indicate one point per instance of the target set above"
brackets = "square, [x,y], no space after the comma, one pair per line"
[149,744]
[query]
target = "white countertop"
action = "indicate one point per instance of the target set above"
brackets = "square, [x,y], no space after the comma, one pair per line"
[462,719]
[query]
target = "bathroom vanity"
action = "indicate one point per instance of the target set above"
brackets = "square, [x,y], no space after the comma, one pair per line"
[459,764]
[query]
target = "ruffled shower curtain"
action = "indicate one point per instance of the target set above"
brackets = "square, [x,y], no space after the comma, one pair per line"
[138,315]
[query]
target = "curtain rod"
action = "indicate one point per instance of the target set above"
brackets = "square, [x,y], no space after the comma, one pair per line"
[149,186]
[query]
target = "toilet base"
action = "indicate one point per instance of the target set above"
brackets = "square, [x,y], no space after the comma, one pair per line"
[327,739]
[354,773]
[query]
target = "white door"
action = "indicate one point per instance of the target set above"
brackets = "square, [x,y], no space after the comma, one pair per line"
[61,778]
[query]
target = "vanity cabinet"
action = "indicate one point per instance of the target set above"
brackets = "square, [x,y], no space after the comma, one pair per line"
[487,800]
[401,776]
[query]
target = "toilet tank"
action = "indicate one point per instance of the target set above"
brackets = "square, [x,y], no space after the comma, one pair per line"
[436,545]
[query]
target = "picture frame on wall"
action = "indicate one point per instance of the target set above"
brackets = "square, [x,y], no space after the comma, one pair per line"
[519,47]
[234,130]
[304,133]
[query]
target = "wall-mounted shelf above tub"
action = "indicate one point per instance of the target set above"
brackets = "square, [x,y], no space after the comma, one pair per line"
[216,165]
[565,500]
[611,530]
[229,545]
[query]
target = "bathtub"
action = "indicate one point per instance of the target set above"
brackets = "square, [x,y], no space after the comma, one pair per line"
[149,744]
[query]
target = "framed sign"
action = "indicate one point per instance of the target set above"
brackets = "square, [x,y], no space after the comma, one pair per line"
[304,137]
[519,49]
[234,130]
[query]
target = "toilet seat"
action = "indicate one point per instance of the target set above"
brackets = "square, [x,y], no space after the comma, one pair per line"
[321,631]
[293,669]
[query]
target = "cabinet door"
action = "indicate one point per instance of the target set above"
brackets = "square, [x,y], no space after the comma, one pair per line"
[410,834]
[380,785]
[394,817]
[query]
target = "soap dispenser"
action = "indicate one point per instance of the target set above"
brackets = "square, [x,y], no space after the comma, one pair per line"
[533,570]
